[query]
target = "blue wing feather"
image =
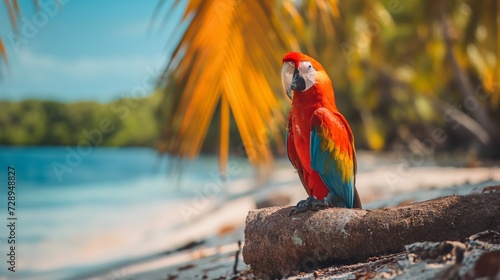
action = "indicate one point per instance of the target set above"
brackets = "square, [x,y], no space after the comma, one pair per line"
[328,162]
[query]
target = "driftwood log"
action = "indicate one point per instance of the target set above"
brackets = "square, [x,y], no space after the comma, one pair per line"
[277,245]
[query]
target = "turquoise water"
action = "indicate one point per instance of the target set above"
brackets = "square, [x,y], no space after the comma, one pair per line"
[78,210]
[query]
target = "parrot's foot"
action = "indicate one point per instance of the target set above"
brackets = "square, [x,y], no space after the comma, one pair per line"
[311,203]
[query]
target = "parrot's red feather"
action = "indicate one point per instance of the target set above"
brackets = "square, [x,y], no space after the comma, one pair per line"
[297,57]
[294,57]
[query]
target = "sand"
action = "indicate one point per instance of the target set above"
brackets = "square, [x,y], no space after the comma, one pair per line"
[217,230]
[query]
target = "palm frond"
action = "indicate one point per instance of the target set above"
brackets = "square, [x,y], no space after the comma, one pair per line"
[14,12]
[228,62]
[3,53]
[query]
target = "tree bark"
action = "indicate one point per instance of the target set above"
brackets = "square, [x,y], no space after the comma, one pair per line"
[277,245]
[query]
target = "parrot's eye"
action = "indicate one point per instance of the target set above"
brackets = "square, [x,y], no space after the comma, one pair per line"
[308,73]
[305,66]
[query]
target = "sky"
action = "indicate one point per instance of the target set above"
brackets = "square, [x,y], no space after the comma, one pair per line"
[85,50]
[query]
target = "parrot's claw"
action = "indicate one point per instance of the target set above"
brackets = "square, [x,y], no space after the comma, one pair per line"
[311,203]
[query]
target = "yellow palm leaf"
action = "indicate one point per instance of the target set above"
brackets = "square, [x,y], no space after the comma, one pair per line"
[228,59]
[2,50]
[13,10]
[14,13]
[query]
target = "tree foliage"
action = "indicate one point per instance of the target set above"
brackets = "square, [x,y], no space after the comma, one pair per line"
[403,71]
[125,122]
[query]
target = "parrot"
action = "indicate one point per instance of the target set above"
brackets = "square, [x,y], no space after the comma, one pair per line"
[319,141]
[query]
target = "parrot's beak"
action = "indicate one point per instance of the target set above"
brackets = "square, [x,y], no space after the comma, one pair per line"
[291,79]
[289,92]
[286,77]
[298,83]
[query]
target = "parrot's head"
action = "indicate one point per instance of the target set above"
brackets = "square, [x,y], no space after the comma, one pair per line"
[300,72]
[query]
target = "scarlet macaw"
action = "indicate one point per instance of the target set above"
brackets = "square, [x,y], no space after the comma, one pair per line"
[320,143]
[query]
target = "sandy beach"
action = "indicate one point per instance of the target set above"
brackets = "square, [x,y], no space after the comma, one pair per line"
[206,247]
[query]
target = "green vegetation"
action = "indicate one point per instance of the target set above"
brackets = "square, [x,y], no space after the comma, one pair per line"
[125,122]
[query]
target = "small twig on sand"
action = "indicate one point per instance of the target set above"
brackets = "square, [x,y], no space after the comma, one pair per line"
[237,256]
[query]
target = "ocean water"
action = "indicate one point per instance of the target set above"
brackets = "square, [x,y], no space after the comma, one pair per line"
[79,210]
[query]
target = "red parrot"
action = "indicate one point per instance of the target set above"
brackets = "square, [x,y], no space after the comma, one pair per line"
[320,143]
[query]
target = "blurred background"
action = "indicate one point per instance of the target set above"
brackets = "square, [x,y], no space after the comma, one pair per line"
[140,126]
